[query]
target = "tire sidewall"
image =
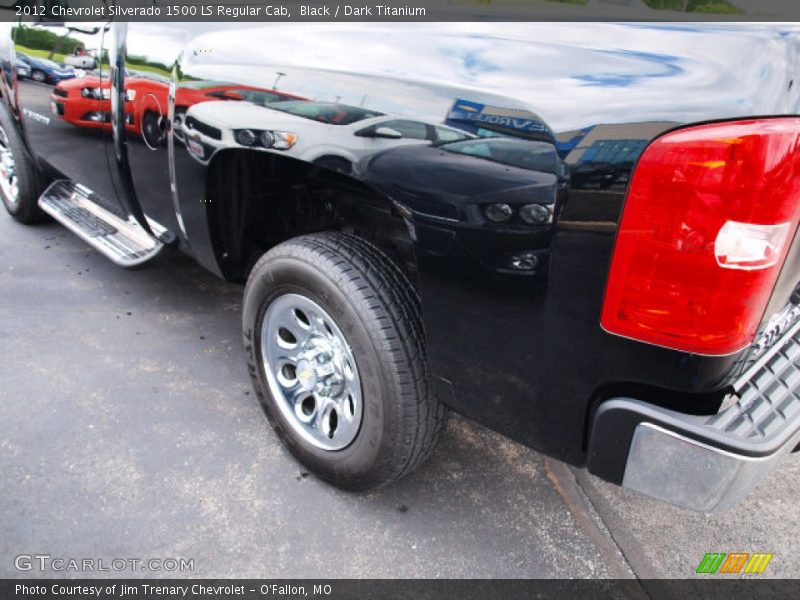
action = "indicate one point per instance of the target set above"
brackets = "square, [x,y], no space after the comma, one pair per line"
[25,208]
[359,463]
[153,135]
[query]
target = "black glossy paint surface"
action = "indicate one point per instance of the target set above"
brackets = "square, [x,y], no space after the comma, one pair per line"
[419,113]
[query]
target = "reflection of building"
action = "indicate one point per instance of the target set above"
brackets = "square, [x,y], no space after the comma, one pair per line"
[485,121]
[604,155]
[601,159]
[566,141]
[610,143]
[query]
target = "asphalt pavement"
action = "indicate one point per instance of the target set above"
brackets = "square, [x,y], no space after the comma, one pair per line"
[129,431]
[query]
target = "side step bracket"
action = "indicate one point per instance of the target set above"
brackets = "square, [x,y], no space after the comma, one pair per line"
[123,242]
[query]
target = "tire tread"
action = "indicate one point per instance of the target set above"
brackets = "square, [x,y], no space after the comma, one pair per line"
[392,313]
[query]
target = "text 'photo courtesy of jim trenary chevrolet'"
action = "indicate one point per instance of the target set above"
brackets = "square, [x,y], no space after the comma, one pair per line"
[514,297]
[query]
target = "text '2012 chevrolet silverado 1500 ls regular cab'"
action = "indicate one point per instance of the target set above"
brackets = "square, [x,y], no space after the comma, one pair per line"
[580,235]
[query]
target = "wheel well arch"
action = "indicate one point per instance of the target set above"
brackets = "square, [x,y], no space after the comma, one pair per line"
[256,200]
[332,159]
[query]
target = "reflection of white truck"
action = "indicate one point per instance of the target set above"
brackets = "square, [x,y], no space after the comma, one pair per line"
[332,135]
[80,60]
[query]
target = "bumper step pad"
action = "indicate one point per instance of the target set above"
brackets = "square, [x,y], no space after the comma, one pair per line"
[769,396]
[122,241]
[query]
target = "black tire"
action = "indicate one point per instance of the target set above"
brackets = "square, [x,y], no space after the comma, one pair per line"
[39,76]
[378,309]
[152,132]
[25,209]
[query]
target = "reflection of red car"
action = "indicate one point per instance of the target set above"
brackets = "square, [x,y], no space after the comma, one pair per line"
[86,102]
[82,101]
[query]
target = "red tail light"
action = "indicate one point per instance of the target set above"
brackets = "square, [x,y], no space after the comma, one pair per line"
[710,215]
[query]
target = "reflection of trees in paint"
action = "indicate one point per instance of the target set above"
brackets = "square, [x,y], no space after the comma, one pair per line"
[41,39]
[142,63]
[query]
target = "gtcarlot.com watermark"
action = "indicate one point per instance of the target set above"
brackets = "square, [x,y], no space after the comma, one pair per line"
[56,564]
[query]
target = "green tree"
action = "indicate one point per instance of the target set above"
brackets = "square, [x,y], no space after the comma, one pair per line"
[702,6]
[41,39]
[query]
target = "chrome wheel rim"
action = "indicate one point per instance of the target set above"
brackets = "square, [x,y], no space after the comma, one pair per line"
[8,175]
[311,372]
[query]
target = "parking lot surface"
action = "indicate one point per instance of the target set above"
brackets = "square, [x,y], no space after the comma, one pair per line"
[129,430]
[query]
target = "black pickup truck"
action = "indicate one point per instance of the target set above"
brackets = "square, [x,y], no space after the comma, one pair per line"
[580,235]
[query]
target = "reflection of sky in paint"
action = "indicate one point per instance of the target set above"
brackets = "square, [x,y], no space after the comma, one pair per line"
[385,94]
[777,28]
[475,64]
[574,74]
[662,65]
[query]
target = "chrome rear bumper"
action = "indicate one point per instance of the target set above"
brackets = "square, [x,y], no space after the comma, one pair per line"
[688,473]
[704,463]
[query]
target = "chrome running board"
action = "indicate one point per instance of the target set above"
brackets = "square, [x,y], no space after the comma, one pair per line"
[123,242]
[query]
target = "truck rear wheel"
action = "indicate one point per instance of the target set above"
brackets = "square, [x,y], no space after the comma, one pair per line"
[335,348]
[18,185]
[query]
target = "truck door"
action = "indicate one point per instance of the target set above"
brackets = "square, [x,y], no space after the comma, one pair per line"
[64,95]
[141,66]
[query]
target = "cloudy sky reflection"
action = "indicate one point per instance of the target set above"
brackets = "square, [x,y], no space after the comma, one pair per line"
[574,74]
